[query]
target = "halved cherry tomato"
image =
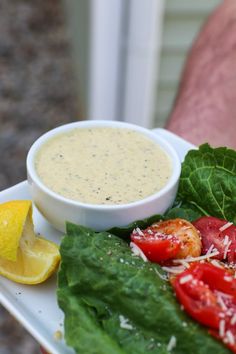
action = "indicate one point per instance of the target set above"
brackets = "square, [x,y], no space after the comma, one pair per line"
[185,232]
[156,246]
[208,294]
[223,241]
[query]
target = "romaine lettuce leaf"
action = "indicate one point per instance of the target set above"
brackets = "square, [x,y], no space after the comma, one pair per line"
[208,182]
[124,232]
[100,281]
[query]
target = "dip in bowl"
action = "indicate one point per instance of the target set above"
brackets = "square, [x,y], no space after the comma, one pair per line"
[101,174]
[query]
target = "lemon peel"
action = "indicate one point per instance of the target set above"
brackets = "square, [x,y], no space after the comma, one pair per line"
[13,215]
[24,257]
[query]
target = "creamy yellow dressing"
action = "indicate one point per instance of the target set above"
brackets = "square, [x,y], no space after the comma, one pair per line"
[103,165]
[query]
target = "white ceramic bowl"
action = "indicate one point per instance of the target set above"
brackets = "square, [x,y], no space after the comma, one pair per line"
[58,209]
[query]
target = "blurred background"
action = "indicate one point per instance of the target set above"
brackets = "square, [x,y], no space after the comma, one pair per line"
[68,60]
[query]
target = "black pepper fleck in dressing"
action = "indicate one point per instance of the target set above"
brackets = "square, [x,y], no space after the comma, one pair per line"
[103,165]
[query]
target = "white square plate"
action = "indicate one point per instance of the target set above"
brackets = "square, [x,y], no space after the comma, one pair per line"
[35,306]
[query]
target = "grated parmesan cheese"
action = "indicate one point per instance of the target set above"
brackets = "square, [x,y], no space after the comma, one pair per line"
[196,259]
[184,263]
[229,313]
[216,263]
[228,278]
[124,323]
[186,278]
[210,249]
[225,226]
[221,302]
[222,328]
[172,343]
[162,276]
[175,270]
[150,232]
[233,320]
[222,315]
[226,240]
[139,232]
[226,249]
[58,335]
[137,251]
[230,337]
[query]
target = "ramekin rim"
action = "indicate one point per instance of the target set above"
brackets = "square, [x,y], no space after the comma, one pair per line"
[174,178]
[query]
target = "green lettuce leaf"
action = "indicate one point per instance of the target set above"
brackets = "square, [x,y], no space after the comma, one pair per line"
[208,182]
[124,232]
[186,211]
[100,281]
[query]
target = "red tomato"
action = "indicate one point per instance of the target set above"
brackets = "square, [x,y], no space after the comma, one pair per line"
[223,241]
[156,246]
[208,294]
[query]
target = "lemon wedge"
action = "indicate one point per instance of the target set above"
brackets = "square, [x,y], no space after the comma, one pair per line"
[24,257]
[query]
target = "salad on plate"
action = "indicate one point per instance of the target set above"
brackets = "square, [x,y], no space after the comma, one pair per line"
[164,284]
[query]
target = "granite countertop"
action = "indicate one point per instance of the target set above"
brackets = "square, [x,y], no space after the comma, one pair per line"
[35,64]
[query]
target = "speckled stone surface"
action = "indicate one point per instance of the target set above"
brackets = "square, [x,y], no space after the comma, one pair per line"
[36,94]
[36,80]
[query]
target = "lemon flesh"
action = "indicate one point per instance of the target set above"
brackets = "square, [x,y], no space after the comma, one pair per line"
[33,265]
[24,257]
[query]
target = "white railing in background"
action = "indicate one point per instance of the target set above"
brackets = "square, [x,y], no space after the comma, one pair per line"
[104,58]
[122,40]
[143,46]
